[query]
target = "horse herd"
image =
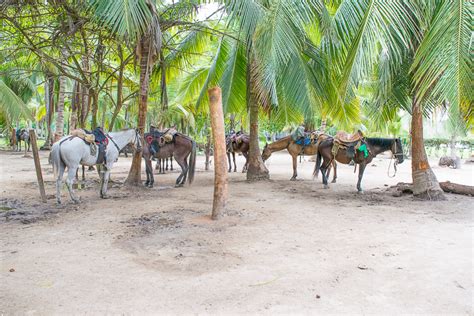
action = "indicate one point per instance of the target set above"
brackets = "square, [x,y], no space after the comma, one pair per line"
[72,151]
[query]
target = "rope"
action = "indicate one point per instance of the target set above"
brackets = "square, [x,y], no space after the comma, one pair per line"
[394,167]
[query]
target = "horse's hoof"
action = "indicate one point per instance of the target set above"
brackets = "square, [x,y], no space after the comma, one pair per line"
[150,185]
[333,181]
[326,186]
[178,185]
[105,197]
[360,192]
[293,179]
[76,201]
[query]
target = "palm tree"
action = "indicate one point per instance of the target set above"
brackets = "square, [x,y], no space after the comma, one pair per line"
[137,21]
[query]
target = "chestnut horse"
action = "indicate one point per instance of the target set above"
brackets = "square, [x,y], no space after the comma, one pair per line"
[345,156]
[294,150]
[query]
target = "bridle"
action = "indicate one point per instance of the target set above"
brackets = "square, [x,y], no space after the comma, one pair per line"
[394,159]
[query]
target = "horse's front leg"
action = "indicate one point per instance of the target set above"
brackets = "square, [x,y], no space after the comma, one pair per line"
[105,181]
[149,173]
[235,165]
[361,174]
[230,162]
[71,174]
[334,166]
[295,174]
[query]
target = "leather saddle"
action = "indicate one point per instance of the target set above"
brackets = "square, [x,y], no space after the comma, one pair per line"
[348,139]
[97,141]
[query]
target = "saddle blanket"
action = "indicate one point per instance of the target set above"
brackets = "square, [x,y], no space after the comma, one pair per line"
[307,141]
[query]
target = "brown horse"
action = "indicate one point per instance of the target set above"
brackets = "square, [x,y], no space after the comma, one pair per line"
[160,164]
[180,149]
[237,143]
[346,155]
[294,150]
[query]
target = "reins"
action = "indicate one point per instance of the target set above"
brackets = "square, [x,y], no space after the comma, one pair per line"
[395,162]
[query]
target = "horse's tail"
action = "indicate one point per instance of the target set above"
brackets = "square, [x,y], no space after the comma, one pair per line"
[317,165]
[55,158]
[192,163]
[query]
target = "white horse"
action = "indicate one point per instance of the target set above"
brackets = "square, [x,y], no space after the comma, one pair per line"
[73,151]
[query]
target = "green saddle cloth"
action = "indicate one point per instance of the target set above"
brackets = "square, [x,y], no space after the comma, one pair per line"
[363,148]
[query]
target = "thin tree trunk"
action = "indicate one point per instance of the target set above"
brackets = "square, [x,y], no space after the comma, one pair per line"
[164,88]
[425,184]
[220,165]
[134,175]
[60,109]
[49,98]
[322,129]
[207,149]
[119,102]
[74,106]
[95,107]
[256,168]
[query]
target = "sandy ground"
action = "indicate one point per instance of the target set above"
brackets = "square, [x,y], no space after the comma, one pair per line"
[283,248]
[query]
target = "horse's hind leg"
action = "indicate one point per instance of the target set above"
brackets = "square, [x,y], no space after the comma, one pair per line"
[235,165]
[71,173]
[181,163]
[166,159]
[324,167]
[59,180]
[295,174]
[361,174]
[171,162]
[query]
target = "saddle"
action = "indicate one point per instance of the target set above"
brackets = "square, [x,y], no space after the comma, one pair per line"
[96,140]
[156,138]
[351,143]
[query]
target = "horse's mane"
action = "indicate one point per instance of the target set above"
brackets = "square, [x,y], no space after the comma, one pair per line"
[381,142]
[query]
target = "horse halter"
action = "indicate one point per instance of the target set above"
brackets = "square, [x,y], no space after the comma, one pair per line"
[395,159]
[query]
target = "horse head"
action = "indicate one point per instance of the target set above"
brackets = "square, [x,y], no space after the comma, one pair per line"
[397,149]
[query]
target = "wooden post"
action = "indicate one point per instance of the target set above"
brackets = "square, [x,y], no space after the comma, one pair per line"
[220,162]
[39,175]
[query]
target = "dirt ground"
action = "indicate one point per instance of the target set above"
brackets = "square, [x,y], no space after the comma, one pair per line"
[284,247]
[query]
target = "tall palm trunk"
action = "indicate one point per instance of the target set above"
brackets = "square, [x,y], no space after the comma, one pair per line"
[425,184]
[256,169]
[60,109]
[134,175]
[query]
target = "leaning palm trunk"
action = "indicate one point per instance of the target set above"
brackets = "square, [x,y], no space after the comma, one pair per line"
[425,184]
[134,175]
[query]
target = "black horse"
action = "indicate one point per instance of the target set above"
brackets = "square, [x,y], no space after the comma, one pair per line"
[345,155]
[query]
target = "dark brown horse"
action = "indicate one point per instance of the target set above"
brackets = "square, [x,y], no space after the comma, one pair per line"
[346,155]
[294,150]
[181,147]
[237,143]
